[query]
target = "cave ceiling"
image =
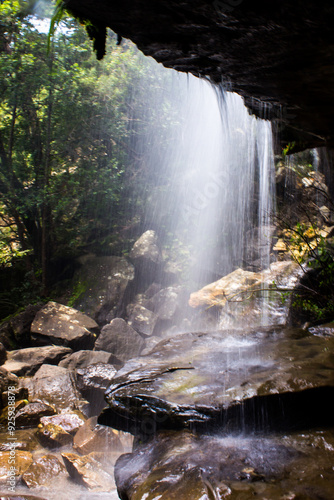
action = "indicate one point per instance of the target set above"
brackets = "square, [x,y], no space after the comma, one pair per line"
[277,52]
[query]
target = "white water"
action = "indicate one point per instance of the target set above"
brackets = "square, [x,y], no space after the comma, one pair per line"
[219,188]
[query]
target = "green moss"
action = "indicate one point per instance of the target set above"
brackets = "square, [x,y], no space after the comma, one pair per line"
[78,290]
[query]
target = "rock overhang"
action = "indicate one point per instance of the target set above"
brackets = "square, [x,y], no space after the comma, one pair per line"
[279,53]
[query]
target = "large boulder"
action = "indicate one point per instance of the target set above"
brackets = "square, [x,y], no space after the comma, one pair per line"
[282,378]
[105,281]
[245,296]
[62,325]
[119,339]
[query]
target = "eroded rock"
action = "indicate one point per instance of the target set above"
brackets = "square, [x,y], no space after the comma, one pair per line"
[183,465]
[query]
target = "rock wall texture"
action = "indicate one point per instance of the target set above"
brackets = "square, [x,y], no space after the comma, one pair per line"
[279,52]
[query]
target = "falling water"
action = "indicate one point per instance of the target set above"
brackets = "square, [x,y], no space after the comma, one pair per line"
[219,192]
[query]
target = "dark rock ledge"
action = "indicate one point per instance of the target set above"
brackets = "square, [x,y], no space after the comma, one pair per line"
[261,381]
[278,52]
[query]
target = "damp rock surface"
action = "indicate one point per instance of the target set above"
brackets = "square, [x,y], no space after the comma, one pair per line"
[280,376]
[184,465]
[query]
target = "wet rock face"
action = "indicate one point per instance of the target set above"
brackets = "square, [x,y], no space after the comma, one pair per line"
[266,379]
[54,385]
[183,465]
[234,41]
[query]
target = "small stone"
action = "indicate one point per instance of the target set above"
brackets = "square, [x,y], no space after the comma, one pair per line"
[42,471]
[93,437]
[23,460]
[53,436]
[30,415]
[69,422]
[86,471]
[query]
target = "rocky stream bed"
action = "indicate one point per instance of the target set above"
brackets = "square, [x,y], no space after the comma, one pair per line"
[137,410]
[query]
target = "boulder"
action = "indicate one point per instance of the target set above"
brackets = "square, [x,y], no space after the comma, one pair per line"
[54,385]
[31,414]
[143,320]
[248,297]
[82,359]
[119,339]
[86,471]
[93,381]
[147,259]
[28,361]
[167,302]
[146,249]
[42,471]
[62,325]
[106,281]
[283,379]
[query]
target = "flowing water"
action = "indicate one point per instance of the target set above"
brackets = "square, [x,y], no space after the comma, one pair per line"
[220,173]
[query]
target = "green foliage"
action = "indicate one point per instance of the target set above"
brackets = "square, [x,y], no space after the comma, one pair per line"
[73,171]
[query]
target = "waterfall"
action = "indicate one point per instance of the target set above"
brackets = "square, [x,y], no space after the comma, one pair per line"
[219,188]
